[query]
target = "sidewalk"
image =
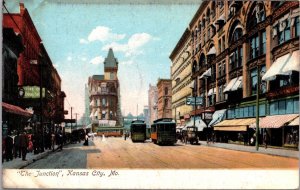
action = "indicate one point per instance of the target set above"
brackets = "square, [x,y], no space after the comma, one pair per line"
[18,163]
[262,150]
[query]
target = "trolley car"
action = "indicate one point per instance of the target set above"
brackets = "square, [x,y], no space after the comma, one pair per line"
[163,131]
[138,131]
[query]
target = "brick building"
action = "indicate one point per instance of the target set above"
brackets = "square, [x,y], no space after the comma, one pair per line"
[164,103]
[35,71]
[238,46]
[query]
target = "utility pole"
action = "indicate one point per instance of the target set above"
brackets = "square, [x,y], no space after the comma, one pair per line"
[71,118]
[257,107]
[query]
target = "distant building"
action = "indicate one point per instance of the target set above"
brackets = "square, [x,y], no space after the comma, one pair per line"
[152,103]
[146,115]
[104,95]
[164,105]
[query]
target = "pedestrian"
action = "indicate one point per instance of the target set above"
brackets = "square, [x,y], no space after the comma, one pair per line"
[103,137]
[52,140]
[24,142]
[17,152]
[125,135]
[61,141]
[9,147]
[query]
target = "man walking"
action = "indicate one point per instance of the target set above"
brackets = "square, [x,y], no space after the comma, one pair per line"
[9,147]
[24,142]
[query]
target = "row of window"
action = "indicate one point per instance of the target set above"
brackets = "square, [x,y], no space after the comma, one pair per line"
[289,106]
[103,116]
[104,102]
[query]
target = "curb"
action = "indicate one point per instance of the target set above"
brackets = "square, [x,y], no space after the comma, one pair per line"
[259,152]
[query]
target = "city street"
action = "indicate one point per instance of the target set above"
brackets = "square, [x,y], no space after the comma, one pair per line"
[118,153]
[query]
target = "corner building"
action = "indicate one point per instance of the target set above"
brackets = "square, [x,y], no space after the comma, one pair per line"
[104,95]
[238,46]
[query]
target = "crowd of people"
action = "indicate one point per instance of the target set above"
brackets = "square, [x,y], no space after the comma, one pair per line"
[17,144]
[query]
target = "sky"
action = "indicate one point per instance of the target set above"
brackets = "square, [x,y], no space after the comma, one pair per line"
[77,37]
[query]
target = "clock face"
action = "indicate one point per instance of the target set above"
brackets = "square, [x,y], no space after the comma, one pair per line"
[21,92]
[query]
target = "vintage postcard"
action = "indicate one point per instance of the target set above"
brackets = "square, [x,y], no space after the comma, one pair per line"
[168,94]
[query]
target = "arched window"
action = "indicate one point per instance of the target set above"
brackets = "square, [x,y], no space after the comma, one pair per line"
[257,41]
[256,14]
[236,56]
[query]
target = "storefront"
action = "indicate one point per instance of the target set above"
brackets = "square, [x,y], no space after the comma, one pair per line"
[234,131]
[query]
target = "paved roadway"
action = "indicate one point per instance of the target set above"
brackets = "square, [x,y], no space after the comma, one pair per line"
[118,153]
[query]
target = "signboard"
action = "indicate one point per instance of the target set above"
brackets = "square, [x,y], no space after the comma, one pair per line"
[191,101]
[33,92]
[207,117]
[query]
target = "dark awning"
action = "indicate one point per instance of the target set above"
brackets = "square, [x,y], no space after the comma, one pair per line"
[15,110]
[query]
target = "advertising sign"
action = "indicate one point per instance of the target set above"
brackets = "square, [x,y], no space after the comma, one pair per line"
[191,101]
[33,92]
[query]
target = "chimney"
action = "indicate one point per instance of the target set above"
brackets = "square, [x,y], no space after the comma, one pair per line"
[22,7]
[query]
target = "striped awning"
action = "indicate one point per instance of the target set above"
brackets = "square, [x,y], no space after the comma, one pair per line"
[234,124]
[15,110]
[294,122]
[274,121]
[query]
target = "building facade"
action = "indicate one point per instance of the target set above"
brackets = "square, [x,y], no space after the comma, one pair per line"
[146,115]
[104,96]
[239,49]
[152,103]
[35,71]
[182,83]
[164,103]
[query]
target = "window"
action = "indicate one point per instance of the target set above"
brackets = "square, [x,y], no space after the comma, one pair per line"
[103,116]
[263,43]
[254,46]
[221,68]
[103,102]
[297,26]
[219,46]
[166,102]
[166,90]
[221,94]
[236,58]
[110,115]
[284,33]
[213,72]
[223,43]
[262,109]
[287,106]
[253,76]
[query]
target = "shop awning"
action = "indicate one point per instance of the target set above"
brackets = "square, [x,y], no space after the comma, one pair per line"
[274,121]
[96,114]
[212,51]
[211,91]
[207,73]
[293,63]
[217,117]
[199,123]
[230,85]
[92,103]
[235,128]
[276,68]
[220,19]
[234,124]
[294,122]
[15,110]
[238,84]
